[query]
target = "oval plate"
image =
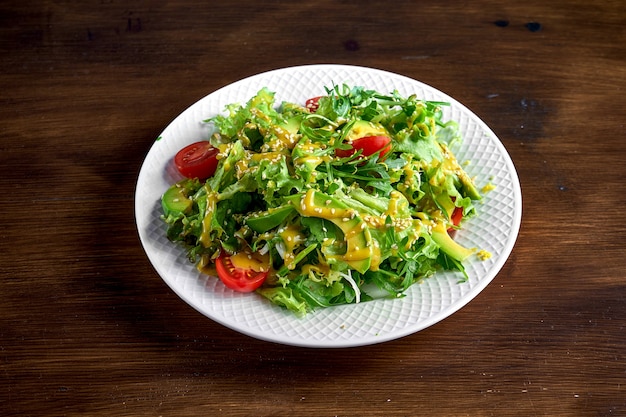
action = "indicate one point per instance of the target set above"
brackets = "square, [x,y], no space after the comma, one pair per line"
[495,229]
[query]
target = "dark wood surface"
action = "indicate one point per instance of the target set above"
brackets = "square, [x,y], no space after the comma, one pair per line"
[87,327]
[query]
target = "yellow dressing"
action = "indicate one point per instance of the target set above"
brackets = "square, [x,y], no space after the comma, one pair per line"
[251,260]
[488,187]
[211,203]
[291,237]
[309,208]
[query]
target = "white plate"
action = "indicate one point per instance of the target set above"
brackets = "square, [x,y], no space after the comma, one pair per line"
[494,230]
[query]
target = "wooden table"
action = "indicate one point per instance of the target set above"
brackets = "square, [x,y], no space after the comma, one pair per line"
[87,326]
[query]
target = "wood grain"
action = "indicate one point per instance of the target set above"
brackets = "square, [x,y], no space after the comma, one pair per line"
[88,328]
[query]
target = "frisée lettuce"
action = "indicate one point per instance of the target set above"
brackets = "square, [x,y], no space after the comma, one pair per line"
[335,202]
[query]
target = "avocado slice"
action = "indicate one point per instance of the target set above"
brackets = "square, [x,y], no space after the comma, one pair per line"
[448,245]
[363,128]
[469,187]
[269,219]
[176,201]
[358,242]
[291,125]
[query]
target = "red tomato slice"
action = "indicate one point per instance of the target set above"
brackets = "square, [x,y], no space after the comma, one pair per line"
[369,146]
[313,104]
[198,160]
[238,278]
[457,215]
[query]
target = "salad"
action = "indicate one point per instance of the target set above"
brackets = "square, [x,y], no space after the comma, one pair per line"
[333,201]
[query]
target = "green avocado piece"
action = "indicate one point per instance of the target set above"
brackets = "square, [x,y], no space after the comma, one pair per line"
[269,219]
[448,245]
[291,125]
[175,201]
[470,188]
[363,128]
[356,243]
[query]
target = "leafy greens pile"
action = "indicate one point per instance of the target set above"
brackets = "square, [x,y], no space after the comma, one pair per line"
[330,228]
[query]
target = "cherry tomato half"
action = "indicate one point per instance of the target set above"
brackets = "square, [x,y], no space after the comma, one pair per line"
[198,160]
[369,146]
[457,215]
[238,278]
[313,104]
